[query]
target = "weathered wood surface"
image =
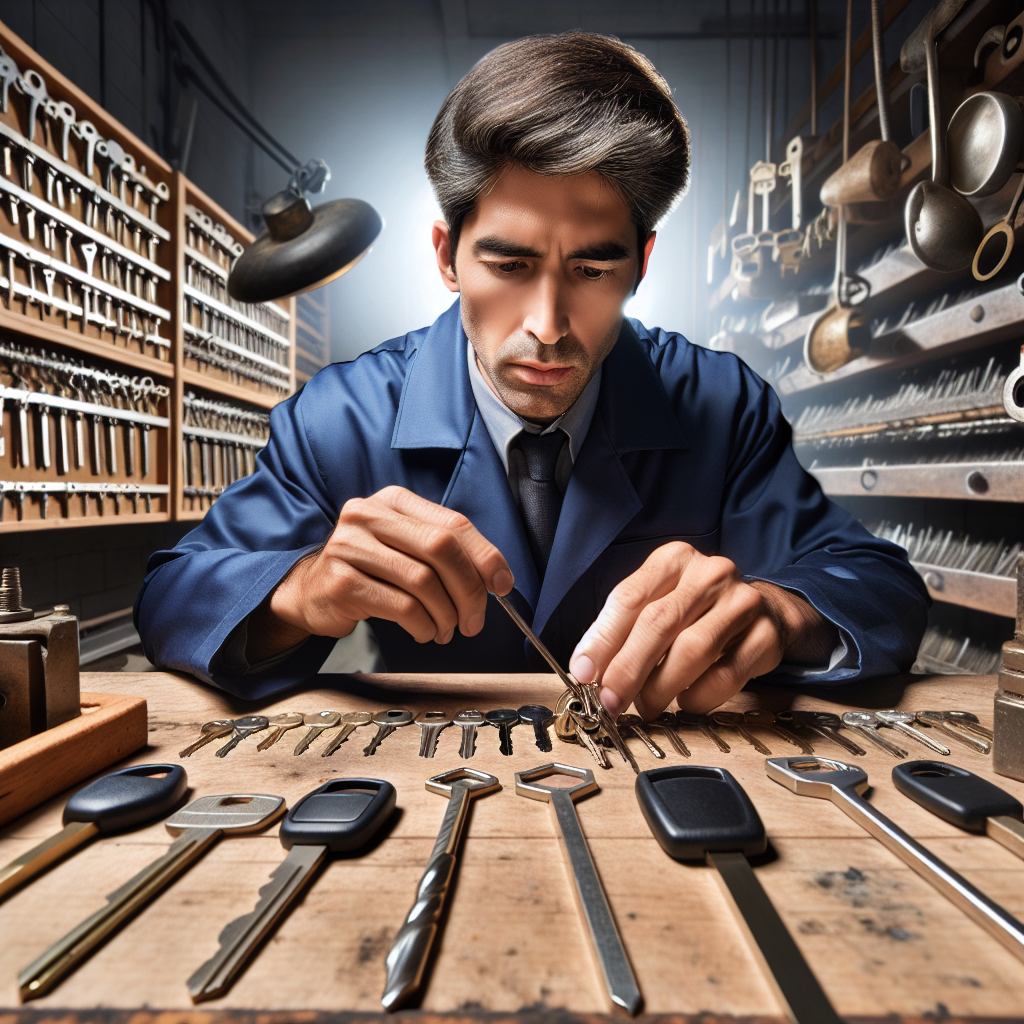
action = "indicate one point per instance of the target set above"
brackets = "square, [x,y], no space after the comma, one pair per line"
[883,942]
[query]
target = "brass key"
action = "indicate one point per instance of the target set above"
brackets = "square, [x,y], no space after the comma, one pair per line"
[734,720]
[635,725]
[280,725]
[210,731]
[350,721]
[318,722]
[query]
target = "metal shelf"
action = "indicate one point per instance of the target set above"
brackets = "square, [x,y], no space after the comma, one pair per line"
[978,481]
[979,590]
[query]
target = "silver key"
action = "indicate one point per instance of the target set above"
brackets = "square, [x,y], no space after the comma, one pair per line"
[504,720]
[763,719]
[318,722]
[969,721]
[734,720]
[635,725]
[827,727]
[900,721]
[350,721]
[468,721]
[701,723]
[668,724]
[387,722]
[242,728]
[868,725]
[407,959]
[280,724]
[198,826]
[209,732]
[431,724]
[937,720]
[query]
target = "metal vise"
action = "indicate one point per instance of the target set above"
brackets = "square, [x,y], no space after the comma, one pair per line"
[1008,744]
[39,685]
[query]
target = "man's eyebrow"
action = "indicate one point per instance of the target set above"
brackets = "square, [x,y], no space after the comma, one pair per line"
[603,252]
[502,247]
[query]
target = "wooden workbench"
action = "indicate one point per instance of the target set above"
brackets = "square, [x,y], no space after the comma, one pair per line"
[883,942]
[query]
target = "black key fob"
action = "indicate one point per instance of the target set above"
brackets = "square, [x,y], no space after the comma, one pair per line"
[693,811]
[342,815]
[954,794]
[128,798]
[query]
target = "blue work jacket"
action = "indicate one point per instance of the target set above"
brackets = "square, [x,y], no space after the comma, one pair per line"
[685,444]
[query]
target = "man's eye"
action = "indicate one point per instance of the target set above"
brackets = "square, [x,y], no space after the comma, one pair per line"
[592,273]
[509,268]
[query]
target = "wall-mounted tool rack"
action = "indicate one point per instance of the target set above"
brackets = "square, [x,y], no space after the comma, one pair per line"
[940,344]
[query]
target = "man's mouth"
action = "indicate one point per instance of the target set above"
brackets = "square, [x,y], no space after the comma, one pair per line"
[540,374]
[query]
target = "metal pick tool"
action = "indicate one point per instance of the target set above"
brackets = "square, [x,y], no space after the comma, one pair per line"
[341,816]
[590,895]
[705,814]
[199,825]
[843,784]
[123,800]
[407,959]
[586,694]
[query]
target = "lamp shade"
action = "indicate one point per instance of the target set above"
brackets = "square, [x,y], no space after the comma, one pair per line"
[303,248]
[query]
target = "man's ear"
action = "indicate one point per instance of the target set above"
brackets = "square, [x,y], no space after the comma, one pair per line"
[442,241]
[648,246]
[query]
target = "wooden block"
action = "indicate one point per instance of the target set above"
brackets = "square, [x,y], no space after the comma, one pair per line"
[110,728]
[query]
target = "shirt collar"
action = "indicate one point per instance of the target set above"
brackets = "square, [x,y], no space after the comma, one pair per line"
[503,425]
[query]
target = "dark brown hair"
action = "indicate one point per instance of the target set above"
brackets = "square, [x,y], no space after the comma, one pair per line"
[561,104]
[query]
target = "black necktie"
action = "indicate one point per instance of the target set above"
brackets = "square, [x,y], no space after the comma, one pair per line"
[540,499]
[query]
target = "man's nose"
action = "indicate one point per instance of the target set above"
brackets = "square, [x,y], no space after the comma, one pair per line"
[547,319]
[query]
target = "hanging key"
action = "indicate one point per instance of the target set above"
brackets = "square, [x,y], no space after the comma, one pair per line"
[586,728]
[431,724]
[23,436]
[468,721]
[936,720]
[279,725]
[762,719]
[504,720]
[540,717]
[44,437]
[843,784]
[701,723]
[94,440]
[635,724]
[145,449]
[611,955]
[128,429]
[387,722]
[209,732]
[242,728]
[318,722]
[900,721]
[734,720]
[704,814]
[350,721]
[63,455]
[963,799]
[342,816]
[407,959]
[124,800]
[198,826]
[668,724]
[869,726]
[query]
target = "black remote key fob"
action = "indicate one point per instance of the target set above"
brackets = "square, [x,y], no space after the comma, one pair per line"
[128,798]
[693,811]
[343,815]
[954,794]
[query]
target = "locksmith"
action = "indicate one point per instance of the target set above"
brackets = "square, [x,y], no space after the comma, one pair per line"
[636,495]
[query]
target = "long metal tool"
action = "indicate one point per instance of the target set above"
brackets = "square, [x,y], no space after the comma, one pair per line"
[843,784]
[586,693]
[606,943]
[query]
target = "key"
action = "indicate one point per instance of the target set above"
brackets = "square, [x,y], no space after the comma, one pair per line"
[809,720]
[350,721]
[704,814]
[127,799]
[241,728]
[540,717]
[280,724]
[210,731]
[342,816]
[666,721]
[700,722]
[504,720]
[963,799]
[869,726]
[936,720]
[843,784]
[832,725]
[734,720]
[44,437]
[9,75]
[407,959]
[900,721]
[33,86]
[318,722]
[63,455]
[468,721]
[431,724]
[611,955]
[585,729]
[635,725]
[387,722]
[66,114]
[198,826]
[968,721]
[766,720]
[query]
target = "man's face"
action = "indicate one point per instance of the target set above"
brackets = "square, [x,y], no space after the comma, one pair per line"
[543,266]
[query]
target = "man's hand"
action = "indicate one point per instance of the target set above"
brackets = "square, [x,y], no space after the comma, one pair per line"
[391,556]
[685,625]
